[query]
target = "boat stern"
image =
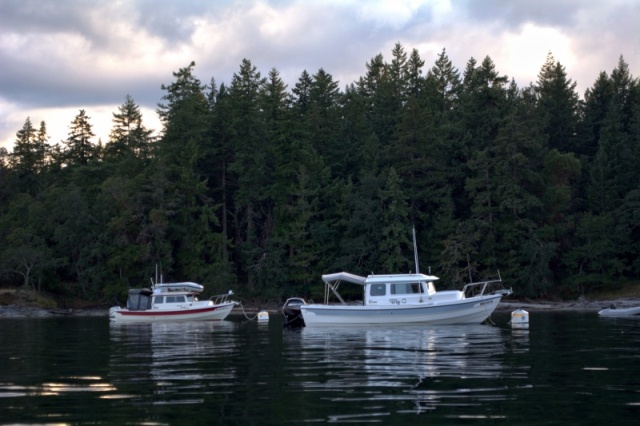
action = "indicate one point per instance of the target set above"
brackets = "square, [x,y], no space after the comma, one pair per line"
[292,312]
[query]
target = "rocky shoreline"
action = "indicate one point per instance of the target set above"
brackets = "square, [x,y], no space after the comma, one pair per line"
[15,311]
[574,305]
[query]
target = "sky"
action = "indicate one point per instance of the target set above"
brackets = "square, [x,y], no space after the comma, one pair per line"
[57,57]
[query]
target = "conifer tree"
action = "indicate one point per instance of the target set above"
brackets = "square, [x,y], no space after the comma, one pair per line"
[415,79]
[597,100]
[79,149]
[323,121]
[30,149]
[185,204]
[128,134]
[249,165]
[184,115]
[218,158]
[558,105]
[394,242]
[447,81]
[485,104]
[361,147]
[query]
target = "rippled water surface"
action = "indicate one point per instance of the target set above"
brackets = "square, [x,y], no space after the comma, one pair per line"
[568,368]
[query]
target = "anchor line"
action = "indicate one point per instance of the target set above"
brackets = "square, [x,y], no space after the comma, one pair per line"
[245,314]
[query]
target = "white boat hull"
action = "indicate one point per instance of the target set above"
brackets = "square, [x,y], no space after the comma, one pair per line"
[204,313]
[621,312]
[473,310]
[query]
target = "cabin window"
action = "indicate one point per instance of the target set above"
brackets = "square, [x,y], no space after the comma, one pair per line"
[179,299]
[171,299]
[405,288]
[158,299]
[378,289]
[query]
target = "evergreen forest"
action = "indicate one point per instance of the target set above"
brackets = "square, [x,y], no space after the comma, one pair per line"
[261,188]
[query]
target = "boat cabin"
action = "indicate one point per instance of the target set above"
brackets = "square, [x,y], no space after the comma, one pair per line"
[396,289]
[142,299]
[388,289]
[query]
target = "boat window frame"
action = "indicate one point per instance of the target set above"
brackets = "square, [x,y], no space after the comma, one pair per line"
[374,290]
[415,287]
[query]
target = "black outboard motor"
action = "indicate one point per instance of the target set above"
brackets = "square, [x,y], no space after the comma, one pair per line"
[291,311]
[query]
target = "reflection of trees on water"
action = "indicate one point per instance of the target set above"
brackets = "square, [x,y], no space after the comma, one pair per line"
[428,367]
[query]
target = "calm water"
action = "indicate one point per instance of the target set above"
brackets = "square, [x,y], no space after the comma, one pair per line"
[569,368]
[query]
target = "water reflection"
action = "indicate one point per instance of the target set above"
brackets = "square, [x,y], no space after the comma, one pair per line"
[520,340]
[165,360]
[404,364]
[566,368]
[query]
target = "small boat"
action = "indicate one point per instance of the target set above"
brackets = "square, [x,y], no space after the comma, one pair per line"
[172,302]
[614,311]
[402,299]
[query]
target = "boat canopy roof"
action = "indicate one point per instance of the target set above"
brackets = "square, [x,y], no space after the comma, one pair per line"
[399,278]
[377,279]
[344,276]
[183,287]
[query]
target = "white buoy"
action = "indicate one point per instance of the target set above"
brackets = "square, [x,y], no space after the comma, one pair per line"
[263,316]
[520,319]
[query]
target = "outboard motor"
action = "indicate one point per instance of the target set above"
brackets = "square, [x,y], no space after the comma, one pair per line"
[292,314]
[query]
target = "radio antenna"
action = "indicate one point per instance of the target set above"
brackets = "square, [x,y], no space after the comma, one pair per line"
[415,250]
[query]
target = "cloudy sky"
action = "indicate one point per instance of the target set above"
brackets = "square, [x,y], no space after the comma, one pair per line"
[57,57]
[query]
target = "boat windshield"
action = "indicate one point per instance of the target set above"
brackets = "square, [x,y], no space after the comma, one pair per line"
[406,288]
[138,301]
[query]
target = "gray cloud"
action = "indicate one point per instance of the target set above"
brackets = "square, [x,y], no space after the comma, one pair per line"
[81,53]
[31,87]
[510,13]
[37,16]
[172,20]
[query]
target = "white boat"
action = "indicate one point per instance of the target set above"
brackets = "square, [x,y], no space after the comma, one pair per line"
[620,312]
[172,302]
[404,299]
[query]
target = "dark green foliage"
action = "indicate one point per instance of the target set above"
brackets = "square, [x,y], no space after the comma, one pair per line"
[262,189]
[128,136]
[558,105]
[79,149]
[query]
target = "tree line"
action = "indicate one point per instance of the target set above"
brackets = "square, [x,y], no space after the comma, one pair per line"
[261,188]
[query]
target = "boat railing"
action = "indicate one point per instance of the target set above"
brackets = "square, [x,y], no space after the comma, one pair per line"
[220,298]
[481,288]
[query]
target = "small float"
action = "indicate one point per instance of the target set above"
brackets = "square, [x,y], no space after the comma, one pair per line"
[520,319]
